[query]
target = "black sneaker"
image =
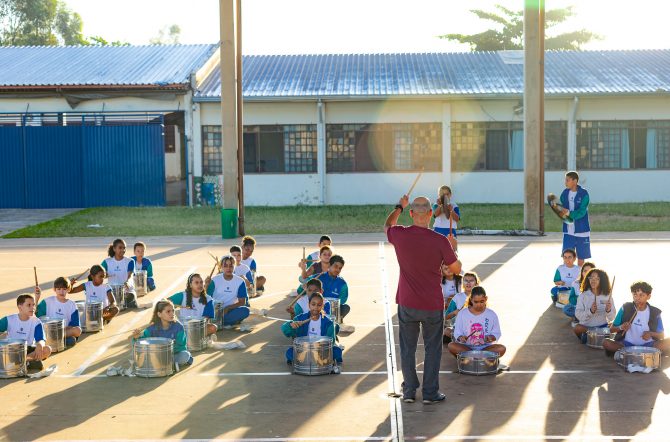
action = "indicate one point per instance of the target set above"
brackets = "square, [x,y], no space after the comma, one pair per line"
[440,398]
[409,399]
[35,365]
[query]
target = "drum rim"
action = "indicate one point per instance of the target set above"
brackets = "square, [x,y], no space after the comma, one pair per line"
[312,339]
[8,341]
[153,341]
[483,354]
[46,320]
[637,349]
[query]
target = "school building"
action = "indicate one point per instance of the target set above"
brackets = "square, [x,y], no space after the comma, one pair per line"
[356,128]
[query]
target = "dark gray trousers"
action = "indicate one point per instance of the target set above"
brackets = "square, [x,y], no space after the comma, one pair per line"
[430,323]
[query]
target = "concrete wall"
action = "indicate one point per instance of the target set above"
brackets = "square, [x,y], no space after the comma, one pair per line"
[124,104]
[173,160]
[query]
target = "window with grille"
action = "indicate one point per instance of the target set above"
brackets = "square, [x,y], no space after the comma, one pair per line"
[623,144]
[287,148]
[480,146]
[384,147]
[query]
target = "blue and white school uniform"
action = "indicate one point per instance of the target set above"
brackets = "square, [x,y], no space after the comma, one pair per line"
[302,306]
[336,288]
[320,327]
[251,263]
[566,274]
[227,292]
[457,302]
[175,332]
[244,270]
[441,224]
[449,289]
[53,308]
[97,293]
[30,330]
[117,272]
[204,310]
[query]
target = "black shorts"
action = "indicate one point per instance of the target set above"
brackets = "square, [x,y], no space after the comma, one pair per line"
[31,349]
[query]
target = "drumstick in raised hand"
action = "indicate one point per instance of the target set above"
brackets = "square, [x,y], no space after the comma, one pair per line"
[214,268]
[35,273]
[81,274]
[416,180]
[213,257]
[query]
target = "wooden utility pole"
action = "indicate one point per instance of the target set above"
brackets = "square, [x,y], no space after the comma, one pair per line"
[231,118]
[533,114]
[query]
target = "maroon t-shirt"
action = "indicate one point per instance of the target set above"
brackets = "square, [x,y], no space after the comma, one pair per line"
[420,254]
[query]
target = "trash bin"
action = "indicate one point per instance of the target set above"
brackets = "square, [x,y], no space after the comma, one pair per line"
[228,223]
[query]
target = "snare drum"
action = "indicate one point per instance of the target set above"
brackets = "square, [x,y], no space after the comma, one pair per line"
[54,333]
[92,320]
[184,314]
[335,314]
[478,362]
[118,290]
[196,334]
[218,314]
[140,282]
[449,327]
[647,357]
[252,289]
[81,308]
[596,335]
[154,357]
[312,355]
[564,297]
[12,358]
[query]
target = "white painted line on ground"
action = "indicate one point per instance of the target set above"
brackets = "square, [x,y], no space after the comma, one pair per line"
[287,373]
[127,326]
[397,432]
[540,437]
[249,439]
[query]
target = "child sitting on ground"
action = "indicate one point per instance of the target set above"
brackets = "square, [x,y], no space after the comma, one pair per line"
[635,321]
[317,267]
[231,291]
[595,307]
[458,301]
[242,270]
[477,327]
[313,323]
[60,307]
[202,307]
[451,284]
[565,274]
[165,325]
[143,263]
[120,270]
[248,247]
[314,256]
[334,286]
[96,291]
[576,290]
[24,325]
[301,305]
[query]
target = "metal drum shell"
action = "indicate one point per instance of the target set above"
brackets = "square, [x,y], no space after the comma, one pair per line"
[252,289]
[449,327]
[335,313]
[93,321]
[564,297]
[118,291]
[184,314]
[478,362]
[312,355]
[153,357]
[218,314]
[648,357]
[140,281]
[196,333]
[13,354]
[54,333]
[81,308]
[596,335]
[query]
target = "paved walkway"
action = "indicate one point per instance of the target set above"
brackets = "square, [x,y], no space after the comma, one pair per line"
[14,219]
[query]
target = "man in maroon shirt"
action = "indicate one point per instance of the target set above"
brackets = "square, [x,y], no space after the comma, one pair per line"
[420,252]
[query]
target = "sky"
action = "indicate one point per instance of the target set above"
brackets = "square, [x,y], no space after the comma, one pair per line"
[362,26]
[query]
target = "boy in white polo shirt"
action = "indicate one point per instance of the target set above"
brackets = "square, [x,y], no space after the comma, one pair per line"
[60,307]
[25,325]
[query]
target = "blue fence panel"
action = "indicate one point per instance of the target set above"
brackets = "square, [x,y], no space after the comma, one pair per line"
[54,162]
[124,165]
[12,186]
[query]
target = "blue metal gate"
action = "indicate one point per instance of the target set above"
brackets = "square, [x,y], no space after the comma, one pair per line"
[96,160]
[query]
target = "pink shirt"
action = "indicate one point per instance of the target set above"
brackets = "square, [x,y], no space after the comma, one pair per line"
[420,254]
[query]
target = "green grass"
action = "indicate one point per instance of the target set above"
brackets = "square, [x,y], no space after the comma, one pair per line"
[157,221]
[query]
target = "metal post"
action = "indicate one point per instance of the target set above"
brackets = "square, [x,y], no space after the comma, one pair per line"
[228,103]
[240,118]
[533,104]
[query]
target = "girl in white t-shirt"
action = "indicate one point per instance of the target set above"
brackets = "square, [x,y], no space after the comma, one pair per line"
[120,270]
[97,291]
[446,212]
[196,299]
[451,284]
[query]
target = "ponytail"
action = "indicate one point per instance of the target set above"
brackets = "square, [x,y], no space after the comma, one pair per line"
[110,249]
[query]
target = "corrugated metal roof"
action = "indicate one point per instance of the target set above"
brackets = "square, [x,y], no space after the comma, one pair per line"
[445,74]
[158,65]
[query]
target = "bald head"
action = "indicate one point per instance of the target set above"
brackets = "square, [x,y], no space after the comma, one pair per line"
[421,211]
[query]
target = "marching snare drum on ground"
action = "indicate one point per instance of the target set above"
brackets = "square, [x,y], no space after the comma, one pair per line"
[639,357]
[90,316]
[312,355]
[13,354]
[153,357]
[54,332]
[478,362]
[118,290]
[196,333]
[595,336]
[140,282]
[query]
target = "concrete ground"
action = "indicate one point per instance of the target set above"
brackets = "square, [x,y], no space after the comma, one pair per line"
[557,389]
[14,219]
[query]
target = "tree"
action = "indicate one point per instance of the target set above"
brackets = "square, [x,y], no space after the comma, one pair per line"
[168,35]
[39,23]
[509,31]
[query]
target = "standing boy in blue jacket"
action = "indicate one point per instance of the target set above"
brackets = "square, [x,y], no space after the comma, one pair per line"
[576,235]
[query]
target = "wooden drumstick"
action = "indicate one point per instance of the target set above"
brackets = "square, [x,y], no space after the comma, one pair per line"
[82,274]
[213,257]
[303,253]
[303,322]
[414,183]
[297,298]
[631,320]
[214,268]
[35,273]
